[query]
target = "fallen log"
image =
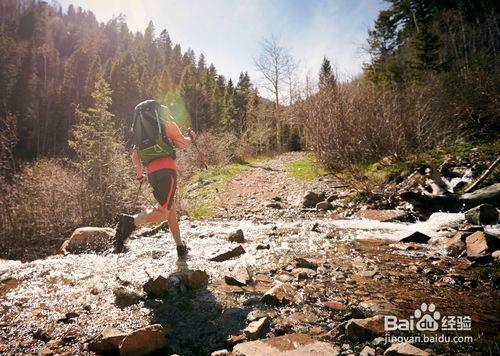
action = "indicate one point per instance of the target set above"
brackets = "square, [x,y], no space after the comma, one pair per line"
[453,202]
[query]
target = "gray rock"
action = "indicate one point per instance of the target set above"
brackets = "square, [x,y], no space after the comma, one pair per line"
[256,328]
[483,214]
[324,205]
[310,200]
[416,237]
[404,349]
[364,329]
[291,344]
[237,236]
[481,243]
[143,341]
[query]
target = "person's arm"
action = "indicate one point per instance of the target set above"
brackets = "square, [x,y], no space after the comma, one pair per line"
[137,164]
[176,136]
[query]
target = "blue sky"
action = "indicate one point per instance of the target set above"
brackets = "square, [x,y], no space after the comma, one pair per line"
[230,32]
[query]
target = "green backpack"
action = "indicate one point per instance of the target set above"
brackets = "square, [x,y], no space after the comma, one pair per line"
[148,130]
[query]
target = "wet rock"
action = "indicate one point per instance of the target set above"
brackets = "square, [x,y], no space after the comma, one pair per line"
[256,328]
[367,351]
[300,262]
[303,273]
[480,243]
[143,341]
[496,255]
[310,200]
[125,297]
[324,205]
[263,247]
[193,279]
[157,286]
[107,341]
[364,329]
[334,305]
[382,215]
[240,278]
[280,294]
[416,237]
[237,236]
[222,352]
[235,252]
[484,214]
[235,339]
[454,245]
[88,239]
[293,344]
[404,349]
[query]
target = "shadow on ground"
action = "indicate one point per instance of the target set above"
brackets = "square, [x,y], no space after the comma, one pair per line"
[195,322]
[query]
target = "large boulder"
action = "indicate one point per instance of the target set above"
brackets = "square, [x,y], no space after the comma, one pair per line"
[364,329]
[143,341]
[483,214]
[88,240]
[291,344]
[481,243]
[454,245]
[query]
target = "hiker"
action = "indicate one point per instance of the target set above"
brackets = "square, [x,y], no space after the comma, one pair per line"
[155,137]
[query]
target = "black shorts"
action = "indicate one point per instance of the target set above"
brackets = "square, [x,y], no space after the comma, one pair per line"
[164,183]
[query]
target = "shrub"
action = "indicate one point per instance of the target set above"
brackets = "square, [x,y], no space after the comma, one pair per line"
[40,209]
[360,122]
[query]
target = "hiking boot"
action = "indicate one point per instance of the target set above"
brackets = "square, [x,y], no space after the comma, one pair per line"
[124,229]
[182,251]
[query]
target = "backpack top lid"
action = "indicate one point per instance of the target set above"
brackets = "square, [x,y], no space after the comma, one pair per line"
[150,106]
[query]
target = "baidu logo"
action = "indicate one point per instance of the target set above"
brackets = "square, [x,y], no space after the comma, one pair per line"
[427,318]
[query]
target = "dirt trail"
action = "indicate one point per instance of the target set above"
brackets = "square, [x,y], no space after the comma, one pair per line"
[250,193]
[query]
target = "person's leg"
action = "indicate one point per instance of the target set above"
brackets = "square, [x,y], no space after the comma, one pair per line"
[173,224]
[151,216]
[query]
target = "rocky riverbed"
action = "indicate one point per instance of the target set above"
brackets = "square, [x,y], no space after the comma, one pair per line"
[289,279]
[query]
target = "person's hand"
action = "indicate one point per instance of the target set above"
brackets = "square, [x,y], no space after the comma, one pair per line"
[141,178]
[192,135]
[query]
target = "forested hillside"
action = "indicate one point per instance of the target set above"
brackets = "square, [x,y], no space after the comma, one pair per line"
[51,58]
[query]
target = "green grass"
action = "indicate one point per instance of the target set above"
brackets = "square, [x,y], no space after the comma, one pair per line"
[305,169]
[203,199]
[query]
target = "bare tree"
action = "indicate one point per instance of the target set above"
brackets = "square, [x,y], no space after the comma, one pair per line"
[274,63]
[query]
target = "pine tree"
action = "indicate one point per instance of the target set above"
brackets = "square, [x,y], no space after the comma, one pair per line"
[100,158]
[326,77]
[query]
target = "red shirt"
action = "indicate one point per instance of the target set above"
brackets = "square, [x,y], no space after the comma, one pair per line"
[173,133]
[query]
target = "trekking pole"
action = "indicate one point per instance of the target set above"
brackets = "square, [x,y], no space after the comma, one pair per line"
[201,158]
[134,206]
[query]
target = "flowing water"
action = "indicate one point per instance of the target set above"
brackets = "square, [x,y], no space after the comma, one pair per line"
[40,293]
